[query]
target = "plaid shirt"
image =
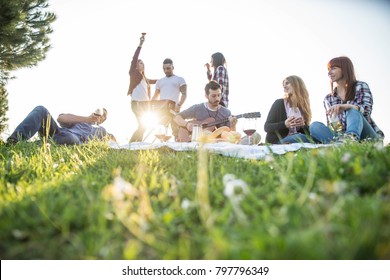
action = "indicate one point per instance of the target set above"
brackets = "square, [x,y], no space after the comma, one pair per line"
[221,76]
[363,99]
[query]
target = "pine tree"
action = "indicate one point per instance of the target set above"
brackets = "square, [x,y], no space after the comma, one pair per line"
[3,107]
[24,41]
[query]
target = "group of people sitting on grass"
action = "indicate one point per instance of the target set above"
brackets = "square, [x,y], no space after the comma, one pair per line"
[348,109]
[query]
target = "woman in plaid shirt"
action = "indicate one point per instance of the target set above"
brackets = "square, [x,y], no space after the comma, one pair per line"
[351,101]
[218,62]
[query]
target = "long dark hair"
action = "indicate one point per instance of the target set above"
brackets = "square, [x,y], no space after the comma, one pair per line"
[348,71]
[218,60]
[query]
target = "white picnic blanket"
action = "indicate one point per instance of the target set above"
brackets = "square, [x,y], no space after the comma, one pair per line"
[223,148]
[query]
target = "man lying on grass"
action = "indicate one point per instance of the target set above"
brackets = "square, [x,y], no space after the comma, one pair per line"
[73,130]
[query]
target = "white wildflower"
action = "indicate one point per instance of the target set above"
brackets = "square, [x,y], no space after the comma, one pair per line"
[269,158]
[76,158]
[379,145]
[336,187]
[109,215]
[18,234]
[322,152]
[185,204]
[346,157]
[55,165]
[339,187]
[122,188]
[236,189]
[227,178]
[312,196]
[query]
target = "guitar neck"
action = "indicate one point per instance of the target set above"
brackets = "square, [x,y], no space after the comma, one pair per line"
[219,121]
[247,115]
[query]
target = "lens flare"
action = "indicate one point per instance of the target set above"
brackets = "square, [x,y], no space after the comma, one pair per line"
[149,119]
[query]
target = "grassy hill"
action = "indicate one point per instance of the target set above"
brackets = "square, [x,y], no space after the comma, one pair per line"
[93,202]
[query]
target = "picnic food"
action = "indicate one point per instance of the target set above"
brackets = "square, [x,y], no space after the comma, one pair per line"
[222,134]
[216,133]
[231,136]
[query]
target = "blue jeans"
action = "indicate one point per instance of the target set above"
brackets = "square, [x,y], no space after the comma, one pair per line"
[295,138]
[356,124]
[40,120]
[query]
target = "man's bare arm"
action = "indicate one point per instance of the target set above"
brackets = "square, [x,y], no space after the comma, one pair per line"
[156,95]
[70,119]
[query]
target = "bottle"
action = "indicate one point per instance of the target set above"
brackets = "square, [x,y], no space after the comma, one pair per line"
[333,119]
[196,132]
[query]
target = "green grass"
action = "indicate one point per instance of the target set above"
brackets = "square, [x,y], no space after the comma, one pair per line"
[92,202]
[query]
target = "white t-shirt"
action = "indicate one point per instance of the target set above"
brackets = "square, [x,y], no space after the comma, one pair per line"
[140,92]
[170,87]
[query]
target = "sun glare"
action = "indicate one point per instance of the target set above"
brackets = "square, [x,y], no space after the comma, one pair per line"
[150,119]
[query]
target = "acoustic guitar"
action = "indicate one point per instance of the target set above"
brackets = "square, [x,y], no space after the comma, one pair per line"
[184,135]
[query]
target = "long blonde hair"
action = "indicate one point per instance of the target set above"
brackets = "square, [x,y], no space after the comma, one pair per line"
[299,97]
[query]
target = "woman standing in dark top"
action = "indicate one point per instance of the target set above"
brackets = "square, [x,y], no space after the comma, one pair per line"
[139,90]
[281,126]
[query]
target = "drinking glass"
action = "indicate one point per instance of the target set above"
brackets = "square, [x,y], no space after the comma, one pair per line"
[249,128]
[333,119]
[296,114]
[161,133]
[98,113]
[335,123]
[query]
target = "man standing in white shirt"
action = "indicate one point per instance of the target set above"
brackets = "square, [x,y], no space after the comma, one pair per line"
[172,88]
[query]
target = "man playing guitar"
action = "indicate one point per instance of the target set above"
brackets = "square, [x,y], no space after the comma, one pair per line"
[203,113]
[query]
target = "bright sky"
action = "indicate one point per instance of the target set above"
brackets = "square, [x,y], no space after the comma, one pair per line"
[263,42]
